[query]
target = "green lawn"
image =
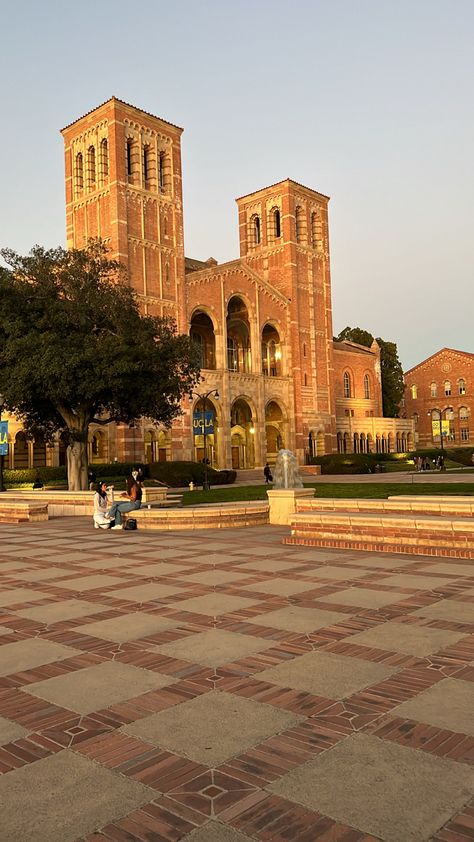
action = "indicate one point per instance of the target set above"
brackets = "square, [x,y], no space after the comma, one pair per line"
[231,493]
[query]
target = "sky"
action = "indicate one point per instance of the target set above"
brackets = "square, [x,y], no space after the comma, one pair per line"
[367,101]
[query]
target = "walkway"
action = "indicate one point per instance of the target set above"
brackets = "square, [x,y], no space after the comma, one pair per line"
[222,687]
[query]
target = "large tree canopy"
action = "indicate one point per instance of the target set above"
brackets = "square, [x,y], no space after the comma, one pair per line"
[391,368]
[75,349]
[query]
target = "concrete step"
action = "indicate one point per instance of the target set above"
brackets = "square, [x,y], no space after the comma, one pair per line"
[431,535]
[443,506]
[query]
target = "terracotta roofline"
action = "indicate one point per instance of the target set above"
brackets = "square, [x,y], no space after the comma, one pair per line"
[129,105]
[436,353]
[277,184]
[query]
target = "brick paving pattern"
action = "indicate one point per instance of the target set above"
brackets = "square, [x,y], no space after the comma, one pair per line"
[223,687]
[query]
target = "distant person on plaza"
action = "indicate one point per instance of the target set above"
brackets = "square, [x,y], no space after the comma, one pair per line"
[267,474]
[134,500]
[102,501]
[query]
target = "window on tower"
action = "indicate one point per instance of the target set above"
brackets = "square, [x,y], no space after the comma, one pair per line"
[104,159]
[79,172]
[91,168]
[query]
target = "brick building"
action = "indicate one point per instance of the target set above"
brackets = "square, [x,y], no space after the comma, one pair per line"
[439,395]
[263,321]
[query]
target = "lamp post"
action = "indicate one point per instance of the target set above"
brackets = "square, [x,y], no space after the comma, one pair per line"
[440,413]
[2,487]
[203,397]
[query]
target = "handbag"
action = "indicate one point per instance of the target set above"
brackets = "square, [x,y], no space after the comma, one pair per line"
[131,523]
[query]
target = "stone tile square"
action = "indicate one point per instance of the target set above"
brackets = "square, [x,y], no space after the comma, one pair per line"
[8,566]
[145,593]
[213,727]
[381,788]
[215,577]
[5,630]
[281,587]
[10,731]
[127,627]
[162,552]
[216,832]
[325,674]
[331,571]
[364,598]
[17,595]
[448,609]
[448,704]
[410,639]
[97,687]
[110,563]
[452,569]
[28,654]
[156,570]
[267,565]
[64,797]
[89,583]
[38,574]
[386,562]
[296,619]
[413,580]
[65,609]
[214,604]
[215,647]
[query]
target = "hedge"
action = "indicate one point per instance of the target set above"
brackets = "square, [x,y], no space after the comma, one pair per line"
[356,463]
[179,474]
[28,475]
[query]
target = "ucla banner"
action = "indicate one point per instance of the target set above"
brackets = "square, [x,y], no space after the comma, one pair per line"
[440,427]
[198,419]
[3,438]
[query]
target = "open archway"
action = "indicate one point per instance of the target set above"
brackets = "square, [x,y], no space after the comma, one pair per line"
[202,334]
[239,358]
[242,434]
[275,430]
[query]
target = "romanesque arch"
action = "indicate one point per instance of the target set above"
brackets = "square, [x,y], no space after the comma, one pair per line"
[275,429]
[239,357]
[242,432]
[203,335]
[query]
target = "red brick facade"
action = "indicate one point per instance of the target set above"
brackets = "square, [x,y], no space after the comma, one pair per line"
[442,384]
[263,321]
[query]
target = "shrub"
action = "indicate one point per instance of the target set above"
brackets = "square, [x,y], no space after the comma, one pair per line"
[358,463]
[179,474]
[14,476]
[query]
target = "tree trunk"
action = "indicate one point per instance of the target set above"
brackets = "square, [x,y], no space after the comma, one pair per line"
[77,466]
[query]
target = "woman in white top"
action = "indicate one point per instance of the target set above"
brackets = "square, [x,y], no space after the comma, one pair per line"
[102,501]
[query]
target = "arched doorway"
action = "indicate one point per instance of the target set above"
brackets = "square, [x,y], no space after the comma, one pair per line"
[39,453]
[20,453]
[238,336]
[98,447]
[274,430]
[271,352]
[202,334]
[205,437]
[242,435]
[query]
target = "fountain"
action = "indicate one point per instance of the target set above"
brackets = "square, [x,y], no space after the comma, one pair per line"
[286,474]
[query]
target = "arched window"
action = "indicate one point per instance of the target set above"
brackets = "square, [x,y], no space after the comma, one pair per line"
[79,172]
[146,165]
[300,225]
[164,182]
[463,413]
[129,158]
[434,390]
[232,354]
[447,387]
[257,230]
[316,231]
[91,167]
[104,159]
[366,387]
[276,224]
[462,386]
[347,384]
[414,392]
[271,352]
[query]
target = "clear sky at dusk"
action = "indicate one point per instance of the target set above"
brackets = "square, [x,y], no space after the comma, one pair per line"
[369,102]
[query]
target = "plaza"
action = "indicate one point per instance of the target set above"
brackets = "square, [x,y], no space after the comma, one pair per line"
[224,687]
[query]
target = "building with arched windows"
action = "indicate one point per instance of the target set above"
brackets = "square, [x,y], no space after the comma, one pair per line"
[439,399]
[263,322]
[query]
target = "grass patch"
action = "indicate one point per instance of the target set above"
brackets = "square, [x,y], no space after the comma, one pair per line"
[343,490]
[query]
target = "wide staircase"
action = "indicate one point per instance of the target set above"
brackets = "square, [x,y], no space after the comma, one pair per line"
[431,525]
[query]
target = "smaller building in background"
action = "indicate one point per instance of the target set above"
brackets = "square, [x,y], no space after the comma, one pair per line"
[360,425]
[439,397]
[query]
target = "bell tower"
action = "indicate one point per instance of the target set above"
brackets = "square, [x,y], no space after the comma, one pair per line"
[124,185]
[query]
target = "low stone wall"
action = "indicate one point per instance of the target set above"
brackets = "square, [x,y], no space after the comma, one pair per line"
[434,536]
[225,516]
[77,503]
[416,504]
[21,511]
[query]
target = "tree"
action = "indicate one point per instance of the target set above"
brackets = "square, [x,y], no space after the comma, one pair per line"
[393,385]
[75,349]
